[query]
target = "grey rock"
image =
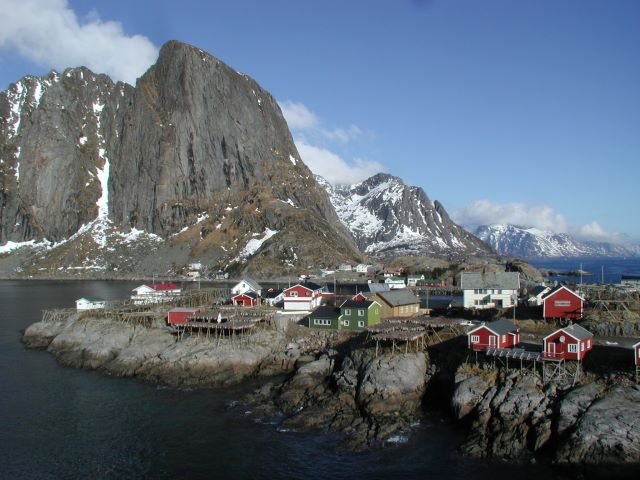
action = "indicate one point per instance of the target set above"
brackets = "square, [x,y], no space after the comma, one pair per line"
[608,432]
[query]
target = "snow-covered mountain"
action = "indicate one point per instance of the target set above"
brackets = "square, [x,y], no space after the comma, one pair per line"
[385,216]
[535,243]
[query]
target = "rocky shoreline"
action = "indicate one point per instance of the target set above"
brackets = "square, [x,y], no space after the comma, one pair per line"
[334,382]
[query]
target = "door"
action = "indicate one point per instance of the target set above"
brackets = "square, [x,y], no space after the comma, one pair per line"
[493,341]
[551,349]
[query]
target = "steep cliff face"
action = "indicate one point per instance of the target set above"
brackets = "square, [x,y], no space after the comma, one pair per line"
[197,156]
[386,216]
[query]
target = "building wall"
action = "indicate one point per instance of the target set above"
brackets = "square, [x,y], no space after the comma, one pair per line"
[487,298]
[323,323]
[359,318]
[569,349]
[562,304]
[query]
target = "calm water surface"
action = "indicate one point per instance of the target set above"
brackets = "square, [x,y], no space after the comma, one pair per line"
[61,423]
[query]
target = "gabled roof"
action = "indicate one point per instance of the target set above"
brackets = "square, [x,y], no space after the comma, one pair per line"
[574,330]
[499,327]
[554,290]
[492,280]
[325,312]
[252,284]
[357,304]
[271,293]
[185,309]
[378,287]
[308,285]
[91,299]
[538,289]
[399,297]
[252,295]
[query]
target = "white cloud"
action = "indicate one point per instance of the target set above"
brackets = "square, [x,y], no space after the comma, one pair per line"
[298,116]
[317,145]
[593,231]
[303,121]
[486,212]
[333,168]
[49,33]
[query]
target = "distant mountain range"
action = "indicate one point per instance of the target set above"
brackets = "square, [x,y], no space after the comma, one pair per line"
[385,217]
[523,242]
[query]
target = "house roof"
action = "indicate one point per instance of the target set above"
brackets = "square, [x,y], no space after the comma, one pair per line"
[357,304]
[271,292]
[557,289]
[325,312]
[252,295]
[493,280]
[251,284]
[398,297]
[378,287]
[91,299]
[314,287]
[500,327]
[538,289]
[574,330]
[184,310]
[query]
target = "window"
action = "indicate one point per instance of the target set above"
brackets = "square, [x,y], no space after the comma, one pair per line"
[321,321]
[345,323]
[475,338]
[347,311]
[293,294]
[561,303]
[573,348]
[582,346]
[504,338]
[588,343]
[307,293]
[361,323]
[361,313]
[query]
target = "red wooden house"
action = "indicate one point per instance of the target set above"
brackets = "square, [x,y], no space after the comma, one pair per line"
[568,343]
[181,315]
[303,296]
[561,302]
[498,334]
[246,299]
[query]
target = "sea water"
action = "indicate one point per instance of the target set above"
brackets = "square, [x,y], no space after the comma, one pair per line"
[63,423]
[599,270]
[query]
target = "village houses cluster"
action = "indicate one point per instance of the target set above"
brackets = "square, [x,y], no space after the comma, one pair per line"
[394,298]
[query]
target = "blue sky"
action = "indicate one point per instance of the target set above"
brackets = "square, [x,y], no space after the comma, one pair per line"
[525,111]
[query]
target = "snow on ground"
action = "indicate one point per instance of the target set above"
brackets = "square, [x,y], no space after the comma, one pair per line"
[254,245]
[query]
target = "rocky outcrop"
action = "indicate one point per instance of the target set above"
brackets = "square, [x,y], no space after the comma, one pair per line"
[196,155]
[385,216]
[153,354]
[514,415]
[369,399]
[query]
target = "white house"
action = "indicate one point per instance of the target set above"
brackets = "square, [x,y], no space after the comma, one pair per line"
[155,293]
[482,290]
[535,296]
[412,280]
[395,282]
[90,303]
[363,268]
[246,285]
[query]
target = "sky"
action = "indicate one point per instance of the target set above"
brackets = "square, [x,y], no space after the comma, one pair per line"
[506,111]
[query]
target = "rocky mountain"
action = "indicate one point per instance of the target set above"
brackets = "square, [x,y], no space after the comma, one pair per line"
[385,216]
[195,162]
[535,243]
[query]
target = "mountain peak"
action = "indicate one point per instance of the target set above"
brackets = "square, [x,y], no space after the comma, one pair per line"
[387,217]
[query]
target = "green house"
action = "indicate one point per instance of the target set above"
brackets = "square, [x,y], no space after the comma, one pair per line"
[325,318]
[358,314]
